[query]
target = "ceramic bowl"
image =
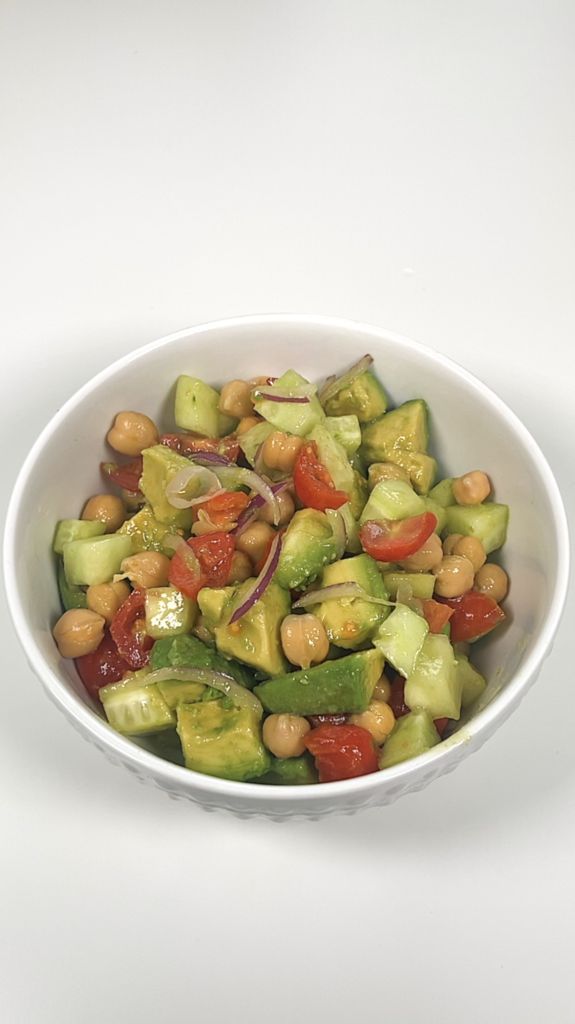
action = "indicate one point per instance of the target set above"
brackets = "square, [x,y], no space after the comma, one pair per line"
[471,428]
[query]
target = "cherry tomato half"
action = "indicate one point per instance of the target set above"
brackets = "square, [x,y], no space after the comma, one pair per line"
[341,751]
[474,615]
[312,482]
[104,665]
[127,629]
[224,510]
[389,540]
[125,475]
[213,558]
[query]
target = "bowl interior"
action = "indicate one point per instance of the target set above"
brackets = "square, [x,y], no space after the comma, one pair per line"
[470,430]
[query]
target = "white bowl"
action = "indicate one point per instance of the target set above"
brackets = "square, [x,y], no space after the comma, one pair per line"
[471,428]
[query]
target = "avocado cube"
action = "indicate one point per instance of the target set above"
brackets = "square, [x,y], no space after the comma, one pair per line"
[349,622]
[95,560]
[196,408]
[168,612]
[361,396]
[401,637]
[291,771]
[291,417]
[189,652]
[413,734]
[344,686]
[346,431]
[487,522]
[161,464]
[255,638]
[308,545]
[392,499]
[76,529]
[359,493]
[434,684]
[146,531]
[385,471]
[421,468]
[404,428]
[176,691]
[221,740]
[422,583]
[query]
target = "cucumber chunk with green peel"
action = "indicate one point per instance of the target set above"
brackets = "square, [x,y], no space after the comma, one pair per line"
[147,533]
[361,396]
[309,544]
[434,685]
[291,771]
[392,499]
[333,456]
[291,417]
[413,734]
[487,522]
[442,493]
[221,740]
[135,709]
[196,408]
[421,468]
[404,429]
[70,596]
[421,583]
[344,686]
[76,529]
[401,638]
[472,682]
[95,560]
[213,602]
[252,440]
[351,526]
[168,612]
[161,465]
[346,431]
[349,622]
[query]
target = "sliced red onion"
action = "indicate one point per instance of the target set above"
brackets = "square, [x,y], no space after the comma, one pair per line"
[333,384]
[179,545]
[241,696]
[339,591]
[236,476]
[210,459]
[300,395]
[205,479]
[405,596]
[292,399]
[261,584]
[257,502]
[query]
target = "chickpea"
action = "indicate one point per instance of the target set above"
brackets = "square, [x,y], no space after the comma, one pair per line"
[378,719]
[106,598]
[426,557]
[259,382]
[147,569]
[246,423]
[382,691]
[235,399]
[107,508]
[304,640]
[78,631]
[241,568]
[284,735]
[450,542]
[131,433]
[286,507]
[453,576]
[255,541]
[471,488]
[493,581]
[385,471]
[471,548]
[279,451]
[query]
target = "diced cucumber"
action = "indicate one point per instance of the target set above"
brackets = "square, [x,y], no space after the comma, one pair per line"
[175,692]
[168,612]
[345,430]
[146,531]
[421,469]
[421,583]
[433,684]
[291,417]
[472,682]
[221,740]
[413,734]
[487,522]
[334,687]
[252,440]
[135,709]
[76,529]
[442,493]
[95,560]
[361,396]
[196,408]
[401,637]
[385,471]
[392,499]
[404,428]
[334,458]
[161,465]
[439,512]
[70,596]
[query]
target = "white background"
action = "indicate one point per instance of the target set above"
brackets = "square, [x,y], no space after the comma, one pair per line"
[404,162]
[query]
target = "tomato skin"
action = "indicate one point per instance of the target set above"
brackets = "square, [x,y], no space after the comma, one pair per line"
[104,665]
[341,751]
[441,725]
[312,482]
[389,540]
[474,615]
[189,444]
[224,510]
[125,475]
[214,553]
[397,700]
[436,614]
[128,633]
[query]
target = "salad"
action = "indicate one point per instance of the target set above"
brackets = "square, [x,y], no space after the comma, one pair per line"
[278,591]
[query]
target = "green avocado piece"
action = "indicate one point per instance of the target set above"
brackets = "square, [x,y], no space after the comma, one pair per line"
[160,465]
[333,456]
[413,734]
[422,583]
[404,428]
[308,544]
[346,430]
[379,471]
[221,740]
[472,682]
[196,408]
[359,493]
[392,499]
[442,493]
[134,708]
[189,652]
[146,532]
[361,396]
[433,683]
[95,560]
[76,529]
[334,687]
[291,771]
[70,596]
[401,638]
[255,638]
[487,522]
[349,622]
[291,417]
[421,469]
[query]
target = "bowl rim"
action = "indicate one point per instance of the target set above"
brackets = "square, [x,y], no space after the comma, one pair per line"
[172,775]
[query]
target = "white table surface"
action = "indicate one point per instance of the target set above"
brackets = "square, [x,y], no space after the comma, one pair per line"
[410,164]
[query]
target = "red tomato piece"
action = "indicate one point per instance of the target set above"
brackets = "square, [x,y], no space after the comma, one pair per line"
[224,510]
[474,615]
[341,751]
[397,699]
[436,614]
[210,567]
[441,725]
[389,540]
[189,444]
[127,629]
[312,482]
[317,720]
[126,475]
[104,665]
